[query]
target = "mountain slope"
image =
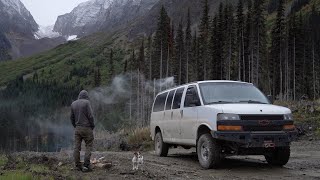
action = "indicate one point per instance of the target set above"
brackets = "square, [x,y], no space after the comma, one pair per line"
[15,17]
[97,15]
[17,32]
[66,63]
[177,10]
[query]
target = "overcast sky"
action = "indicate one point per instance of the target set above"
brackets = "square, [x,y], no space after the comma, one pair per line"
[45,12]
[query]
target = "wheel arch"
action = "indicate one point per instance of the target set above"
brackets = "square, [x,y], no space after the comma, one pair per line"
[203,129]
[156,130]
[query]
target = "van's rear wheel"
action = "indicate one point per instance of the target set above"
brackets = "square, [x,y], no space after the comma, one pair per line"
[160,147]
[209,152]
[278,157]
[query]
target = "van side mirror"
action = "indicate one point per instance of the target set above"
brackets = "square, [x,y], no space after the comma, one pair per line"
[270,97]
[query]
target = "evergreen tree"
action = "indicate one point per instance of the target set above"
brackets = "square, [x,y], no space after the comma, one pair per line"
[148,67]
[35,77]
[248,40]
[194,58]
[125,67]
[203,42]
[180,70]
[188,43]
[220,44]
[141,59]
[259,59]
[277,51]
[240,41]
[229,44]
[291,40]
[111,64]
[172,46]
[134,65]
[300,59]
[97,77]
[214,50]
[161,45]
[170,51]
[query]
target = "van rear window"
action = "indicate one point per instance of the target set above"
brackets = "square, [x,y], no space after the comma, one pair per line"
[159,102]
[177,99]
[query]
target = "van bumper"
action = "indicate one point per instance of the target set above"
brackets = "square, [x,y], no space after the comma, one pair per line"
[256,133]
[266,139]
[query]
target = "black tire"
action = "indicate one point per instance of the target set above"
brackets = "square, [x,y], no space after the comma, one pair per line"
[160,147]
[279,157]
[209,152]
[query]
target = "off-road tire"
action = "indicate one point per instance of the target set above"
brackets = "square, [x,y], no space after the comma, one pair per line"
[209,152]
[279,157]
[160,147]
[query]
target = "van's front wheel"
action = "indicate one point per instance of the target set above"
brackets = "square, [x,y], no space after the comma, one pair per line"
[160,147]
[278,157]
[209,152]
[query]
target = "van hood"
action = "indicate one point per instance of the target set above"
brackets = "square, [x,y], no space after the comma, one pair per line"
[251,108]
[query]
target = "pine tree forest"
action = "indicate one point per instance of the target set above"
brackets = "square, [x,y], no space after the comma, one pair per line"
[236,43]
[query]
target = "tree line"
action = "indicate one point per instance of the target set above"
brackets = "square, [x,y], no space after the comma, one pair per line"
[239,42]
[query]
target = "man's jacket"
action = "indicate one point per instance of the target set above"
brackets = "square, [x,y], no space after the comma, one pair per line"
[81,111]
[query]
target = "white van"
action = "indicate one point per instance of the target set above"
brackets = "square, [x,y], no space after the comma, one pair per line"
[221,118]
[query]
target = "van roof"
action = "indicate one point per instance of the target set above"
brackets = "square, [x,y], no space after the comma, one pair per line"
[200,82]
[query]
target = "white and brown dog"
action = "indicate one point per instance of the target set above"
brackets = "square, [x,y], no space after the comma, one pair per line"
[137,161]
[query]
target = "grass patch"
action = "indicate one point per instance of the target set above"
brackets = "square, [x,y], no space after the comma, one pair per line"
[17,175]
[22,175]
[3,160]
[140,137]
[317,132]
[39,168]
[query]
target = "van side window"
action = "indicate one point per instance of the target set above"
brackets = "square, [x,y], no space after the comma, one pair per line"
[159,103]
[169,100]
[192,98]
[177,99]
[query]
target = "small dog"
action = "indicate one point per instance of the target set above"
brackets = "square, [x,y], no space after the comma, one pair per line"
[137,160]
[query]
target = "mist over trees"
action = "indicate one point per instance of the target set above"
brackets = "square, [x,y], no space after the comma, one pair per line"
[31,115]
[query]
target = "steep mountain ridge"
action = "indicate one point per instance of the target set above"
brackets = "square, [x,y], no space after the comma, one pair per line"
[16,17]
[96,15]
[19,32]
[177,10]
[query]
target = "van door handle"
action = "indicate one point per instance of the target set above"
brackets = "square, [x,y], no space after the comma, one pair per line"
[171,114]
[181,112]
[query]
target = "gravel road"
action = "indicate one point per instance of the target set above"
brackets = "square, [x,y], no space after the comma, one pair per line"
[183,164]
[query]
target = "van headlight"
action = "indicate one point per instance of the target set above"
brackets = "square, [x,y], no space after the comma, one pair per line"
[228,117]
[288,117]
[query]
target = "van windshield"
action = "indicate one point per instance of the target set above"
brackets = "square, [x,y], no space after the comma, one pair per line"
[223,93]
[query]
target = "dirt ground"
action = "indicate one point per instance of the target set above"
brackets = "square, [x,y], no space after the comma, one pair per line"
[183,164]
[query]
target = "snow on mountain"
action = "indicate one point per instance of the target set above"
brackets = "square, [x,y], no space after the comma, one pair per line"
[97,15]
[16,17]
[14,4]
[46,31]
[72,38]
[20,35]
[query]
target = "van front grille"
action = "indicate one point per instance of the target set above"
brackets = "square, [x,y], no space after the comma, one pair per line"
[262,128]
[261,117]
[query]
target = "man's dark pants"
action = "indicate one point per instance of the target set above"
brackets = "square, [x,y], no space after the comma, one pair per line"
[86,134]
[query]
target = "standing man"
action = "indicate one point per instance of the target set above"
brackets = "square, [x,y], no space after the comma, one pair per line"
[83,122]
